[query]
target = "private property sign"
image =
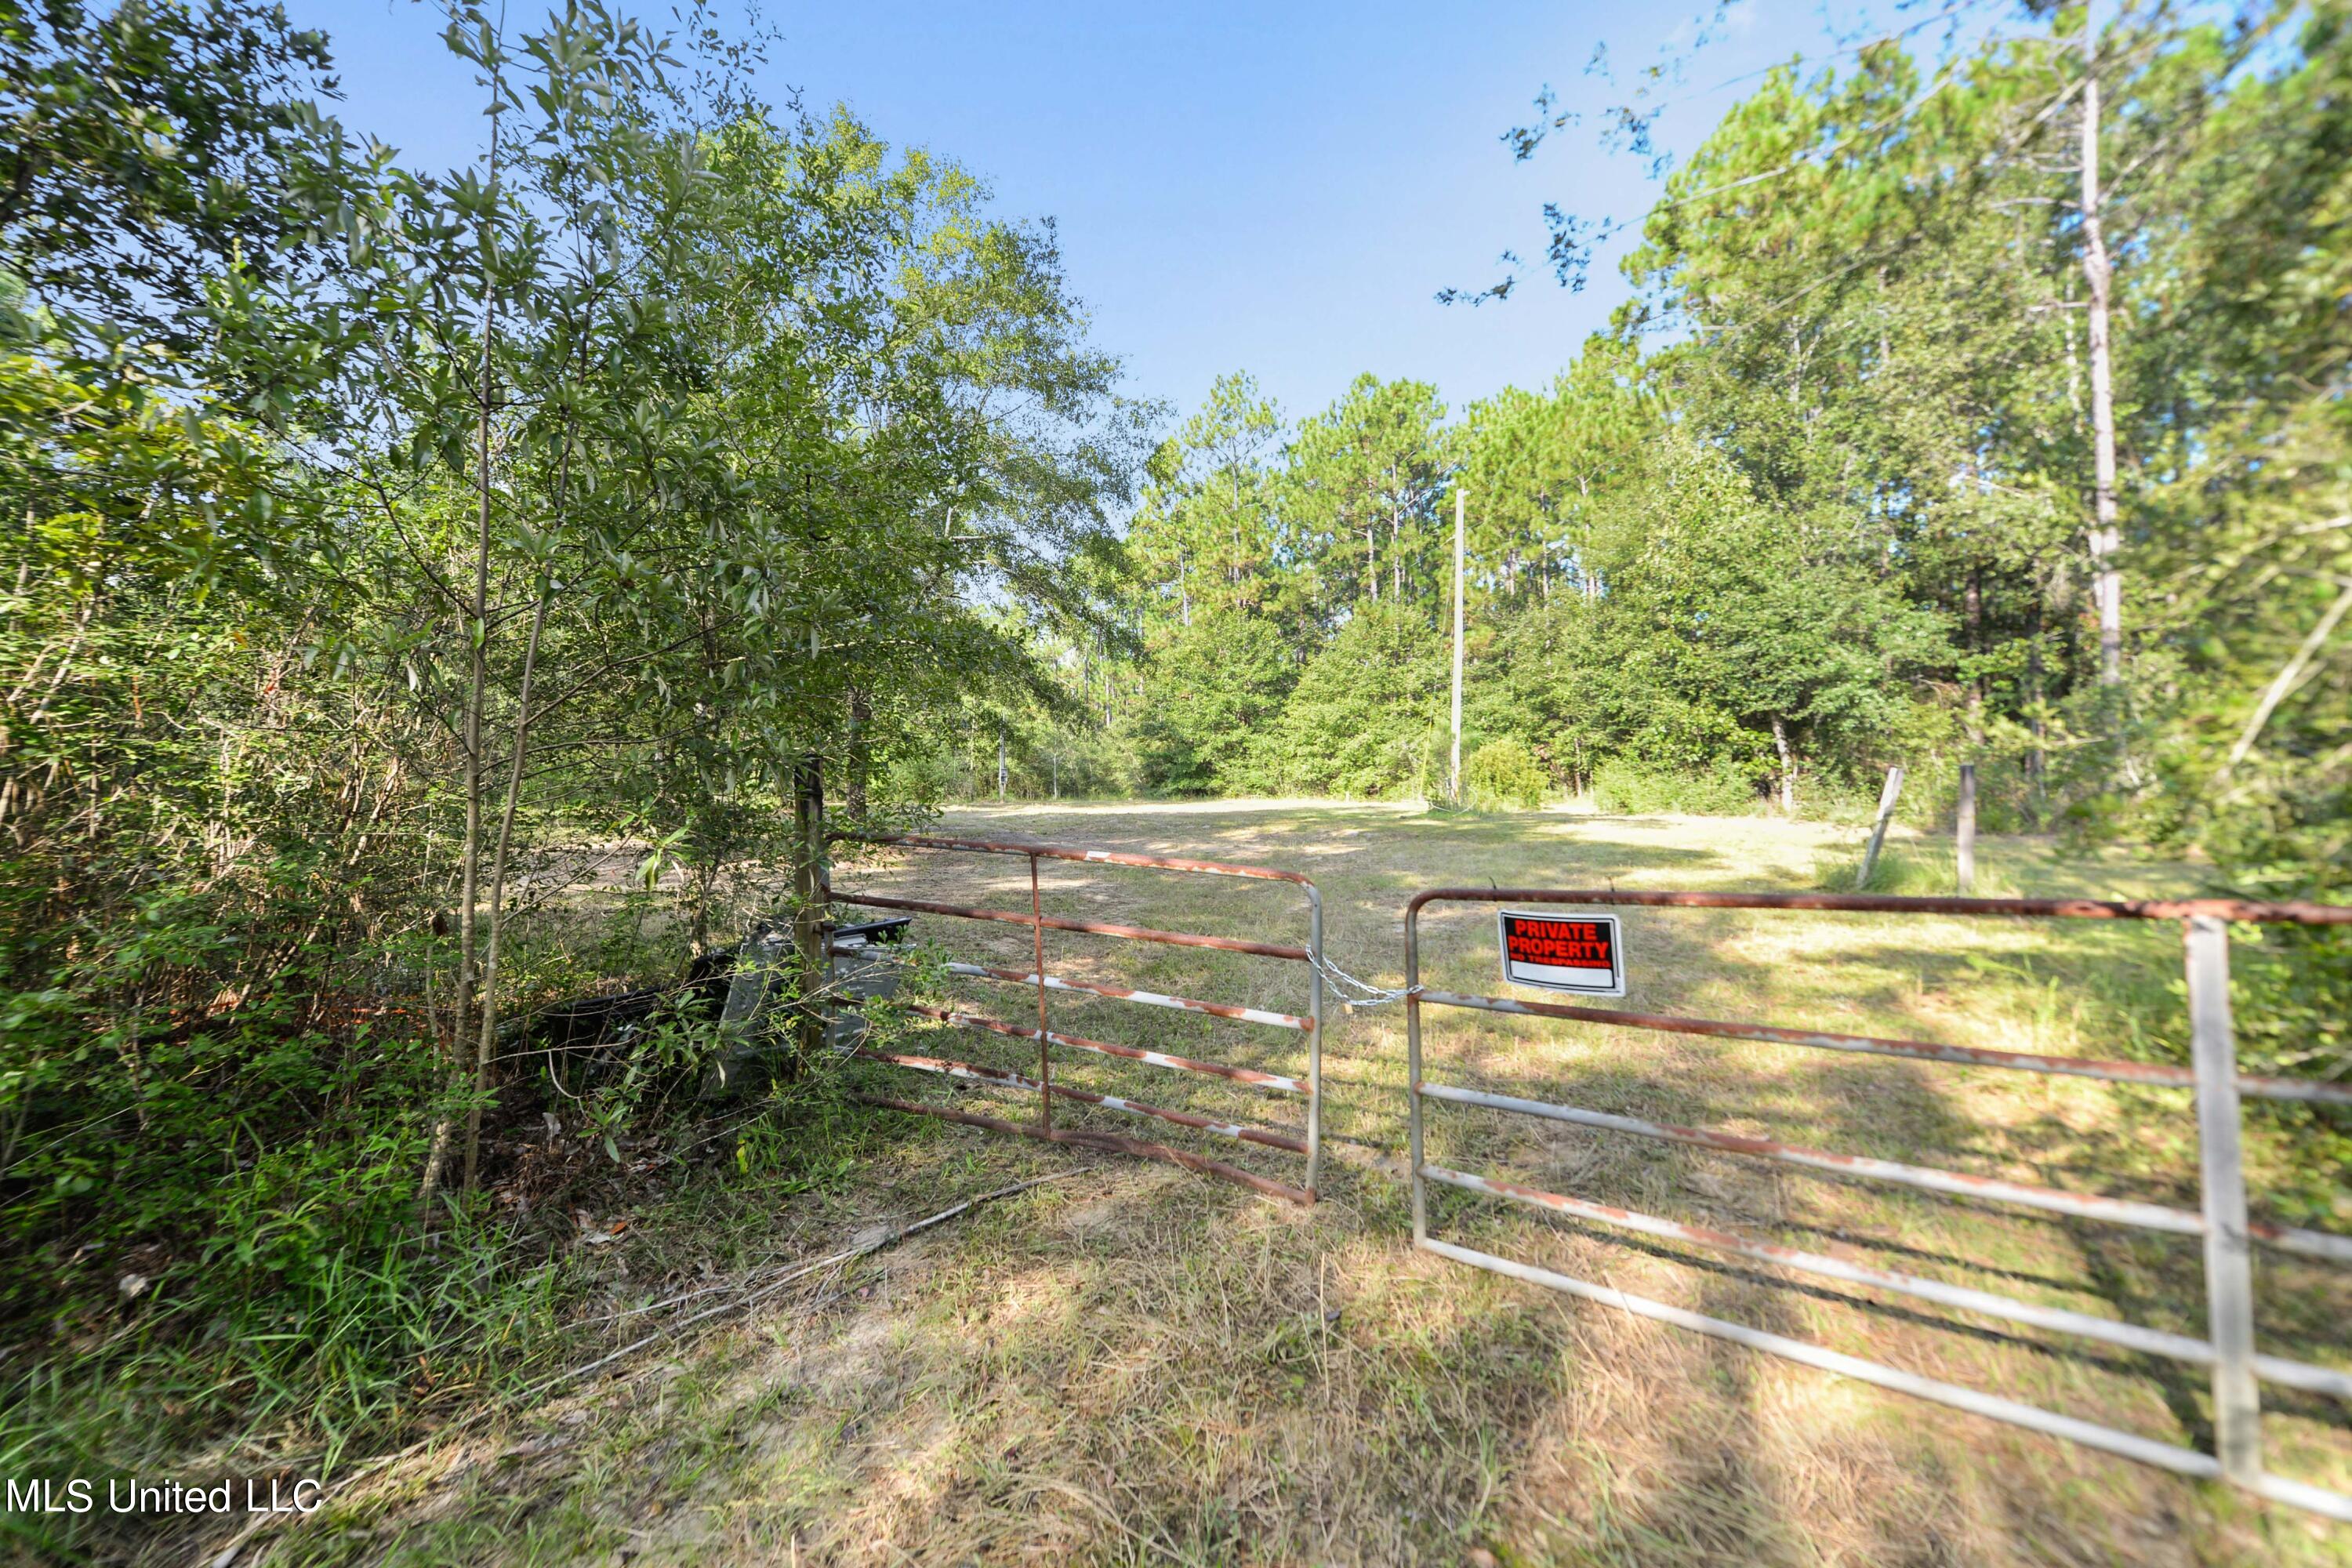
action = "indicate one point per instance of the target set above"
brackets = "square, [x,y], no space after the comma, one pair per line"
[1583,953]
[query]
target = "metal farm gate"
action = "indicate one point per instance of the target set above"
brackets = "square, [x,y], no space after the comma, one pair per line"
[2228,1349]
[1309,1087]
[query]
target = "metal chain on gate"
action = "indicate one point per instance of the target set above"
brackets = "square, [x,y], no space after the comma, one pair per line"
[1344,983]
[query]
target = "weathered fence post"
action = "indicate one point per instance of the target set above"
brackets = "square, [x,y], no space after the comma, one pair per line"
[811,891]
[1044,1029]
[2229,1259]
[1878,832]
[1967,830]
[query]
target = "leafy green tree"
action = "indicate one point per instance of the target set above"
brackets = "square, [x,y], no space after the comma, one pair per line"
[587,494]
[146,141]
[1551,673]
[1212,688]
[1368,717]
[1205,534]
[1361,501]
[1532,465]
[1730,608]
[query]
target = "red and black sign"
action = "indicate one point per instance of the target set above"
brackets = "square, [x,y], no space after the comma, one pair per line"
[1564,953]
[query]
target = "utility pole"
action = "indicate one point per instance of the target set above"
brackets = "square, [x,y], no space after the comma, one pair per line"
[1454,774]
[2105,538]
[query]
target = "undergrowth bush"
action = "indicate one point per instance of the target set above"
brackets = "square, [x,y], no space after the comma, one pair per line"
[1624,785]
[314,1311]
[925,777]
[1502,775]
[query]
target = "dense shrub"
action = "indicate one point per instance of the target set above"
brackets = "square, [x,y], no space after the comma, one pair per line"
[295,830]
[1502,775]
[1366,719]
[924,777]
[1622,785]
[1213,688]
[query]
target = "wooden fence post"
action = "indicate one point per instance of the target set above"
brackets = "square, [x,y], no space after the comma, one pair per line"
[1967,829]
[1878,833]
[2229,1259]
[811,891]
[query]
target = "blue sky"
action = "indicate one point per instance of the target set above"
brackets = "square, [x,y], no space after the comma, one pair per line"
[1272,188]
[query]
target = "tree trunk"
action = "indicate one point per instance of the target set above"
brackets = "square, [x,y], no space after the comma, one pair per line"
[706,876]
[1233,571]
[2037,762]
[1000,765]
[477,675]
[445,1053]
[2105,537]
[497,890]
[523,722]
[467,990]
[861,713]
[1886,350]
[1974,602]
[1788,767]
[812,896]
[1453,767]
[2073,355]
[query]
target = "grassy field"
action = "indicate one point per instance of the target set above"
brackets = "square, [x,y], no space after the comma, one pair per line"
[1135,1364]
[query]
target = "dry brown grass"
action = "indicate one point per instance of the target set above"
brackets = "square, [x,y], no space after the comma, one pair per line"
[1141,1365]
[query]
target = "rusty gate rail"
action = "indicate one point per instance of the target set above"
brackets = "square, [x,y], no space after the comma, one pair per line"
[1037,979]
[2228,1232]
